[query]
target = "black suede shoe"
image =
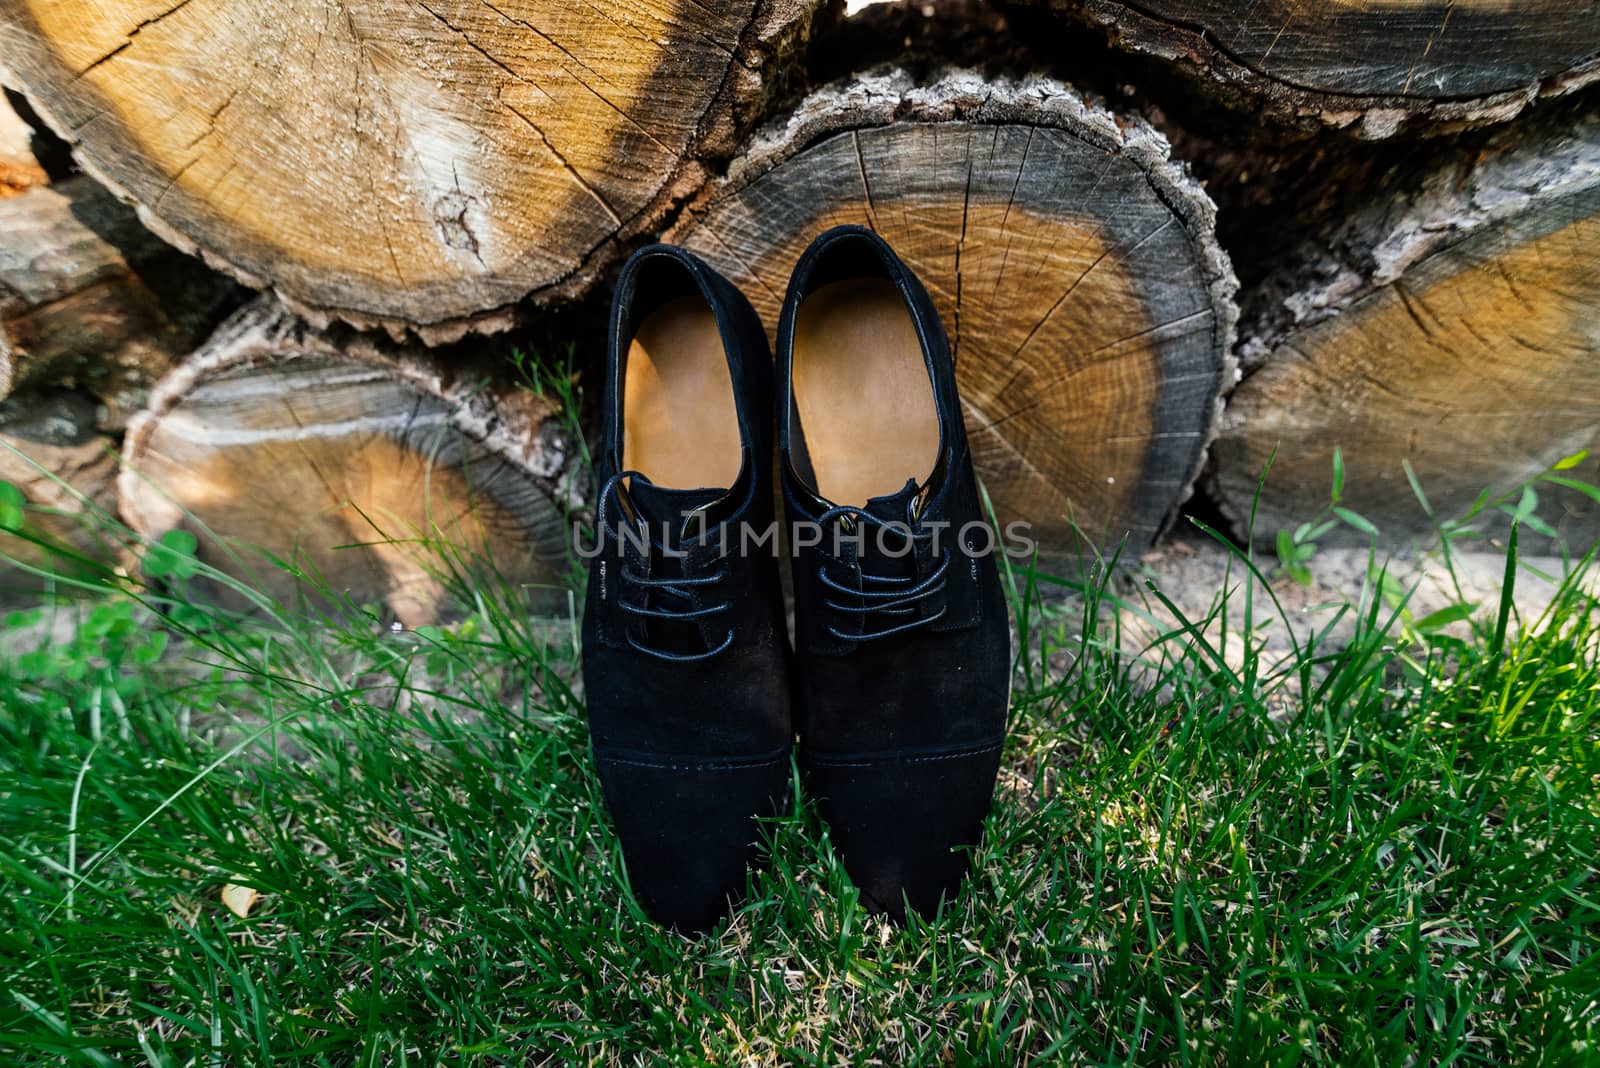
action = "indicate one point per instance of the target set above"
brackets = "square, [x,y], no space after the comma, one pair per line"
[902,647]
[685,659]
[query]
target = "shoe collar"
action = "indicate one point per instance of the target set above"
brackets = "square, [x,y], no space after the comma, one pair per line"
[624,319]
[812,271]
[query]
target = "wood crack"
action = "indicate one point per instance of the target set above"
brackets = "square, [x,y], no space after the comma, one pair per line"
[611,213]
[137,29]
[546,38]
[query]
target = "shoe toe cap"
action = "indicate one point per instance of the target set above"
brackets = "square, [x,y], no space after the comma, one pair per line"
[905,826]
[691,830]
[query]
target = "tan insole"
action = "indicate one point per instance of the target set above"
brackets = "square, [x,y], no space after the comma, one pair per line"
[680,428]
[863,392]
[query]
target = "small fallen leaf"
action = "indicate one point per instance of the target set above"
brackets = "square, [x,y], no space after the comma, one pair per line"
[240,899]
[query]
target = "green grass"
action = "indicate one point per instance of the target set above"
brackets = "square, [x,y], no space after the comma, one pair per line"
[1382,851]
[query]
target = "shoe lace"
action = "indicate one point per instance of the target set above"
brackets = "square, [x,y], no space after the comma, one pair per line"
[665,598]
[890,595]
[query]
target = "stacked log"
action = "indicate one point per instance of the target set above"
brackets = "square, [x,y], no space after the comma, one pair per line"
[1372,67]
[401,178]
[367,468]
[1088,305]
[416,166]
[90,299]
[1448,324]
[93,308]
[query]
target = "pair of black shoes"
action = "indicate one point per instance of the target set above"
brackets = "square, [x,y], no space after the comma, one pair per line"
[899,675]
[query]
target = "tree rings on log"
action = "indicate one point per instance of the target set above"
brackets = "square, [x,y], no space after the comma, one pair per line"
[354,462]
[1088,305]
[1450,324]
[419,165]
[1373,66]
[90,298]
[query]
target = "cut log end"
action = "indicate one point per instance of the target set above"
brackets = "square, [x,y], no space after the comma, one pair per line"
[358,466]
[417,166]
[90,299]
[1088,306]
[1448,327]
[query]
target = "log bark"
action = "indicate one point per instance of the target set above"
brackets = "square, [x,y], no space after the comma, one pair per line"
[1449,323]
[423,165]
[351,459]
[1372,66]
[89,298]
[1088,305]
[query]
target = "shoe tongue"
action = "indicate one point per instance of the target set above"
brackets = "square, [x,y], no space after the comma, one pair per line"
[895,507]
[883,552]
[665,510]
[664,513]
